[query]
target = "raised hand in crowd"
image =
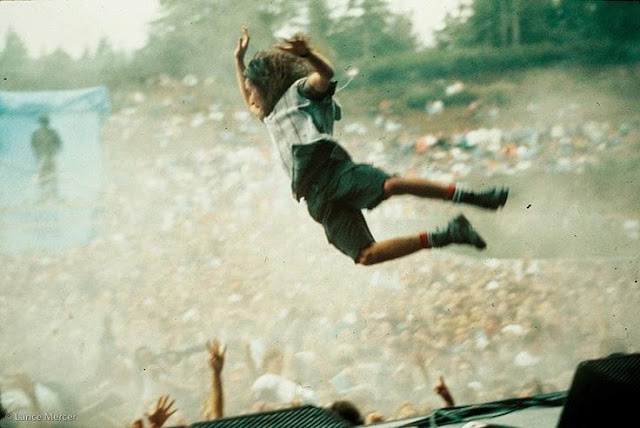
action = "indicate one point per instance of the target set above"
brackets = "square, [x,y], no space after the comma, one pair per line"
[214,405]
[159,415]
[443,391]
[216,355]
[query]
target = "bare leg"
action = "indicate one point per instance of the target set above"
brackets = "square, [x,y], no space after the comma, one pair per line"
[458,231]
[491,199]
[421,187]
[395,248]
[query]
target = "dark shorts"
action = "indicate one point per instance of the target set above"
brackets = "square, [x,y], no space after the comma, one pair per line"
[337,198]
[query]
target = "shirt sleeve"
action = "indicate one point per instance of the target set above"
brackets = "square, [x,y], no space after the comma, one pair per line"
[308,92]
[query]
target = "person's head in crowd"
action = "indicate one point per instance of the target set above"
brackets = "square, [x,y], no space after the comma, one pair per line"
[346,410]
[3,412]
[406,410]
[43,120]
[373,418]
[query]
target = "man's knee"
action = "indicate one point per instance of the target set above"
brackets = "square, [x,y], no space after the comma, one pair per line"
[391,186]
[366,256]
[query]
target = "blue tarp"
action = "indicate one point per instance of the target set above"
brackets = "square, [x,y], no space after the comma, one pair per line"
[77,116]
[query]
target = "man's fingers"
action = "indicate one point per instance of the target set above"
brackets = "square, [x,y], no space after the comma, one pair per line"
[243,40]
[170,405]
[165,399]
[297,38]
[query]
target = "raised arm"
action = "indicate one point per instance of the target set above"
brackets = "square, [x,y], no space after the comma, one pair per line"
[239,53]
[443,391]
[161,412]
[320,79]
[215,402]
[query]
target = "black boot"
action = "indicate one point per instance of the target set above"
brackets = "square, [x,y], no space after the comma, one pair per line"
[491,199]
[458,231]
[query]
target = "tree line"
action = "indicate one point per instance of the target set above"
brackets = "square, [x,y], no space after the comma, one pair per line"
[512,23]
[198,37]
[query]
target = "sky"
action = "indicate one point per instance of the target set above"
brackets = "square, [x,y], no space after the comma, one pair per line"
[75,25]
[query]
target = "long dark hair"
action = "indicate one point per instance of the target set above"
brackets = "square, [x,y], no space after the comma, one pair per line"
[272,72]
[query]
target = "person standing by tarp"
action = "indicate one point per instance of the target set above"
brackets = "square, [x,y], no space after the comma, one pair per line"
[46,144]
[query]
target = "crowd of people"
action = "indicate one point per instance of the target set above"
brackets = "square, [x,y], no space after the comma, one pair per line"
[213,406]
[203,242]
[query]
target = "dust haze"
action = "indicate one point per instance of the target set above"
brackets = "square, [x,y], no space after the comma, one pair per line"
[201,239]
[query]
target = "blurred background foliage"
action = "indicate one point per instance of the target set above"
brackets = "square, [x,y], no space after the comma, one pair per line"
[485,37]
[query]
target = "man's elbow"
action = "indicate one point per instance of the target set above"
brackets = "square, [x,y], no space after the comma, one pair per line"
[329,73]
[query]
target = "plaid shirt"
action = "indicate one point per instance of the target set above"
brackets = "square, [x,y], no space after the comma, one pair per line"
[300,118]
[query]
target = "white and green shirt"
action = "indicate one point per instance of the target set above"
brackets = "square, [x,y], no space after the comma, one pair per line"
[301,117]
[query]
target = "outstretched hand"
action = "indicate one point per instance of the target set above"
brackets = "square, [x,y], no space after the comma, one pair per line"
[298,45]
[161,412]
[443,391]
[243,43]
[216,355]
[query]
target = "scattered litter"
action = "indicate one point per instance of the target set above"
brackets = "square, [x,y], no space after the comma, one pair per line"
[525,359]
[435,107]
